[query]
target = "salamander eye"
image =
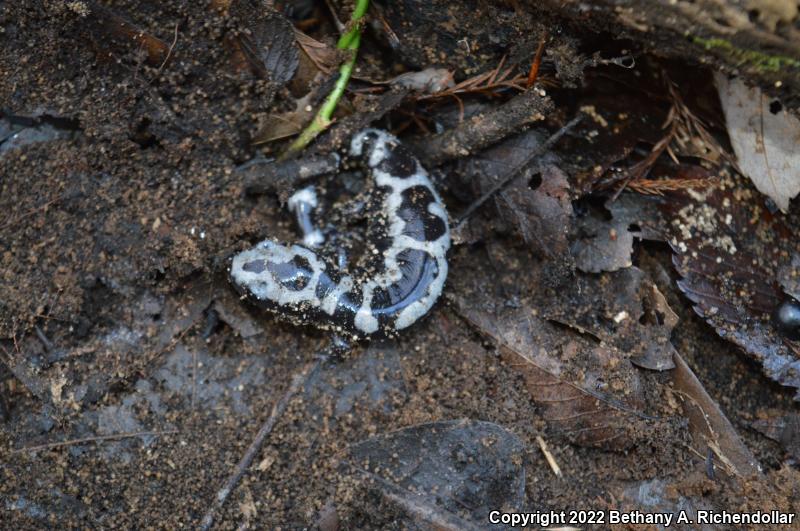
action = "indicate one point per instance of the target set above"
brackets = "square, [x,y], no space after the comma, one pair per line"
[293,275]
[256,266]
[787,319]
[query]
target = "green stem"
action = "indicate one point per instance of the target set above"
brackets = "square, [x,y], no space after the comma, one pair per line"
[350,41]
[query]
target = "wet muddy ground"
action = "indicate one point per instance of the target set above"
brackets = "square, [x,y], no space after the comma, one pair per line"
[133,379]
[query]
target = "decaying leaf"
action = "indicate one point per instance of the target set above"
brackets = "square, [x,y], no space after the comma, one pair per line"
[449,473]
[782,428]
[709,424]
[764,136]
[234,315]
[601,245]
[640,214]
[265,43]
[53,377]
[614,128]
[537,203]
[567,375]
[429,80]
[729,248]
[789,277]
[623,309]
[277,126]
[324,57]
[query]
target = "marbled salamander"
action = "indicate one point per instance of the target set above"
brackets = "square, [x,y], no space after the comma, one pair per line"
[405,268]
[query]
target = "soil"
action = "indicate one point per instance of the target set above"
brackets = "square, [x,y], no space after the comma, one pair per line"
[133,379]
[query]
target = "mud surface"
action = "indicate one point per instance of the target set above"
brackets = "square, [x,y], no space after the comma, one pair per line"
[133,380]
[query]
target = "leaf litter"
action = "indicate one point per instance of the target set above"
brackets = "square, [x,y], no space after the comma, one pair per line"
[128,376]
[730,249]
[450,473]
[575,345]
[764,136]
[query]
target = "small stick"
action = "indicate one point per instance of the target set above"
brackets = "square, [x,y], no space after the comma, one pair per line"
[97,438]
[48,345]
[480,132]
[539,151]
[169,53]
[537,61]
[547,455]
[112,24]
[278,409]
[35,210]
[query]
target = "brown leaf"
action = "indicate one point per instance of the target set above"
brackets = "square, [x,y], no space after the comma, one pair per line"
[602,240]
[782,428]
[430,80]
[601,245]
[764,139]
[231,312]
[789,277]
[537,203]
[640,214]
[570,399]
[277,126]
[623,309]
[730,250]
[449,474]
[709,424]
[324,57]
[265,42]
[615,127]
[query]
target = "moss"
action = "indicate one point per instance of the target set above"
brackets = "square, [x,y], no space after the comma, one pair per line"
[758,60]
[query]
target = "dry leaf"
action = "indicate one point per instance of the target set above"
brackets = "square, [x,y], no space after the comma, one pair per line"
[730,250]
[601,245]
[765,142]
[784,429]
[623,309]
[709,424]
[265,44]
[431,80]
[537,203]
[448,474]
[324,57]
[571,401]
[277,126]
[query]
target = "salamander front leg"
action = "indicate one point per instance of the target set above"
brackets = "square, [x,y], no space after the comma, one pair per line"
[303,203]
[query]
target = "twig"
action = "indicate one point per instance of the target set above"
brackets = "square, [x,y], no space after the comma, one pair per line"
[537,61]
[484,130]
[539,151]
[349,41]
[194,378]
[547,455]
[169,53]
[48,345]
[97,438]
[277,412]
[110,23]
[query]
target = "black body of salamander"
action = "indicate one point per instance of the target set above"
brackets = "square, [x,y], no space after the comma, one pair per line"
[404,270]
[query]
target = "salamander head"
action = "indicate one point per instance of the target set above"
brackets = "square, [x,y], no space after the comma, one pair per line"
[271,272]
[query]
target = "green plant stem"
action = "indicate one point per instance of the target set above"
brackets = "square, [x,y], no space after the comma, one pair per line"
[349,41]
